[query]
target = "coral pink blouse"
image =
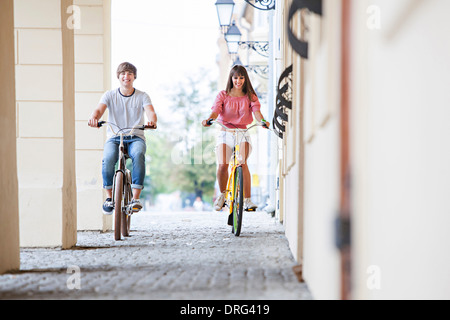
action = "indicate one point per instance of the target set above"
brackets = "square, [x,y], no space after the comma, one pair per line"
[235,112]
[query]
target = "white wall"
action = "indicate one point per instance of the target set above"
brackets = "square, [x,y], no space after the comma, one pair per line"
[401,150]
[321,204]
[44,101]
[92,74]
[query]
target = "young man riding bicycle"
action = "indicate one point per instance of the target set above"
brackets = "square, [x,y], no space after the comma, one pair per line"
[126,108]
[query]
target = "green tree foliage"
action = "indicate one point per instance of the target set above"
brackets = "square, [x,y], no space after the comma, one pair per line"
[181,152]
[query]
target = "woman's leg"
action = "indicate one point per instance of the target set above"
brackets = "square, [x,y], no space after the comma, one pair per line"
[223,158]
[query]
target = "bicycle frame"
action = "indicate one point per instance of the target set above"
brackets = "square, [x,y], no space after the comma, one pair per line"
[230,196]
[126,174]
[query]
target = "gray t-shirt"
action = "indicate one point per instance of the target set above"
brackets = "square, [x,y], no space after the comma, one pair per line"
[126,111]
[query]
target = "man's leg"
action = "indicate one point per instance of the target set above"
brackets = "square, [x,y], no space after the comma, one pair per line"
[110,157]
[136,149]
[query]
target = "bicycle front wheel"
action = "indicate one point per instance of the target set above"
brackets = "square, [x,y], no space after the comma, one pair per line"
[238,204]
[126,219]
[118,194]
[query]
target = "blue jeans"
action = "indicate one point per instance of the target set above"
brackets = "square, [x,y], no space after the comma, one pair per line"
[136,149]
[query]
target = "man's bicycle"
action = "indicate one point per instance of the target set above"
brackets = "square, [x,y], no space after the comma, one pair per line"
[121,191]
[234,195]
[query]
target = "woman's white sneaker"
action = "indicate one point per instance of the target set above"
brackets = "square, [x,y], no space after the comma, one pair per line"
[249,205]
[220,201]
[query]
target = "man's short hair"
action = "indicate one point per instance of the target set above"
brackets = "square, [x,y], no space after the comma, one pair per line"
[126,66]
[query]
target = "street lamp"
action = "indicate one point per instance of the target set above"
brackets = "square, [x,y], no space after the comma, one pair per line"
[225,12]
[237,62]
[225,8]
[233,38]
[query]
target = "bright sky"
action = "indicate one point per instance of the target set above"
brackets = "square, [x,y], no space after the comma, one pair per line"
[165,40]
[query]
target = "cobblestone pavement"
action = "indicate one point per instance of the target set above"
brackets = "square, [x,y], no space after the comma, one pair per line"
[171,255]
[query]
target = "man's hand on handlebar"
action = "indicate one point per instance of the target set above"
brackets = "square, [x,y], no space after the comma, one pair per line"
[150,125]
[94,123]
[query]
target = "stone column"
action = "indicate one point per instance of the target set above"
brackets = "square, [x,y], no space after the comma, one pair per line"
[92,65]
[9,201]
[45,121]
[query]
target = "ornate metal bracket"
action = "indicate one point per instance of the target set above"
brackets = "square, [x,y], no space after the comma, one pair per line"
[315,6]
[261,47]
[262,4]
[284,100]
[261,70]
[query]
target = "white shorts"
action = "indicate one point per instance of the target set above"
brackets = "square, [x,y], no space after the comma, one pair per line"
[231,139]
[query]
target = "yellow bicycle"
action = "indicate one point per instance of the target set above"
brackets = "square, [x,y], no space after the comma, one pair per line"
[234,195]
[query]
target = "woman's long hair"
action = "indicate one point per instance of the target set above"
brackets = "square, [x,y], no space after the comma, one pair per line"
[248,88]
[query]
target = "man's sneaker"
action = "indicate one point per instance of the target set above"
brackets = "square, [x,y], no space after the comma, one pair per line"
[135,205]
[108,206]
[249,205]
[220,202]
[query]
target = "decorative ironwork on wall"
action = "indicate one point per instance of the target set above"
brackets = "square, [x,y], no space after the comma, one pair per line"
[315,6]
[260,47]
[284,100]
[262,4]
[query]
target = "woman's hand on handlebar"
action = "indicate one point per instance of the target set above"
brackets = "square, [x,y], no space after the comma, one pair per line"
[207,122]
[265,124]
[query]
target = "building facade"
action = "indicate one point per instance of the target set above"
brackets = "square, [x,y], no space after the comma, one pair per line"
[358,94]
[363,160]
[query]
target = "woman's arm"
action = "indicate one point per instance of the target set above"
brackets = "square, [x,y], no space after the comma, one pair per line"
[213,115]
[259,117]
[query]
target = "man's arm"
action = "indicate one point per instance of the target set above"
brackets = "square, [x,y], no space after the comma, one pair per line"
[151,115]
[96,115]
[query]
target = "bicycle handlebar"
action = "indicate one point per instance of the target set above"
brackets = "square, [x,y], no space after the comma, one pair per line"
[141,127]
[211,121]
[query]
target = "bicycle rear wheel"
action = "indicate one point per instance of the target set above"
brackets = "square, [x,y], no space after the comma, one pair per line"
[118,193]
[238,204]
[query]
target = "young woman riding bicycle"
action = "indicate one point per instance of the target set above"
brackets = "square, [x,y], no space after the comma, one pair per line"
[234,108]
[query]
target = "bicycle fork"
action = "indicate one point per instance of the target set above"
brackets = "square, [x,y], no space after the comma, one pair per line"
[230,188]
